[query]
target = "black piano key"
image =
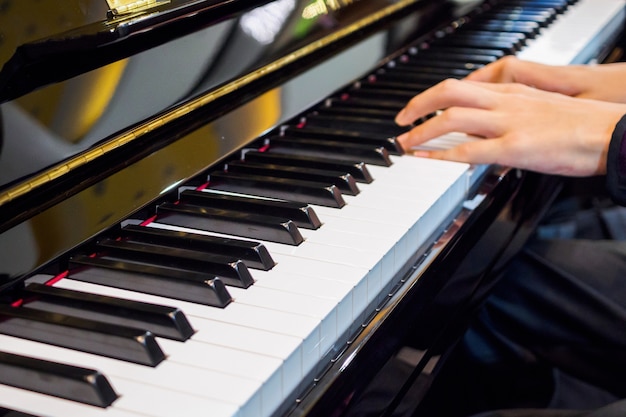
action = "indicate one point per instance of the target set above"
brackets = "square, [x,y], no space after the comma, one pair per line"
[358,124]
[451,53]
[372,139]
[86,386]
[231,271]
[411,73]
[541,19]
[379,94]
[253,254]
[342,180]
[192,286]
[164,321]
[547,15]
[231,222]
[5,412]
[507,47]
[349,101]
[414,64]
[356,111]
[415,86]
[455,52]
[357,169]
[374,155]
[399,84]
[301,214]
[528,29]
[309,192]
[115,341]
[516,39]
[557,5]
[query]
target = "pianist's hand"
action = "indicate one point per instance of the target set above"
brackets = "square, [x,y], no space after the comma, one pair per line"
[599,82]
[522,127]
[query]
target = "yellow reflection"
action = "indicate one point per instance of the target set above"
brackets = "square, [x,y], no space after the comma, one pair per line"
[322,7]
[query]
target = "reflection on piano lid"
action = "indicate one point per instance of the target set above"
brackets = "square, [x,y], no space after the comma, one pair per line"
[233,246]
[65,137]
[120,7]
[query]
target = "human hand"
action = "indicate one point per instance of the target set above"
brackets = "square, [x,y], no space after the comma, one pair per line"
[599,82]
[522,127]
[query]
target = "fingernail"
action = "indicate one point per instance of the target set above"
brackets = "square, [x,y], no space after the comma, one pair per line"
[400,117]
[421,154]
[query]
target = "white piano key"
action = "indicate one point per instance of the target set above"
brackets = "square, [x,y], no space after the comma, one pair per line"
[261,368]
[322,309]
[339,292]
[161,391]
[288,265]
[288,349]
[48,406]
[578,30]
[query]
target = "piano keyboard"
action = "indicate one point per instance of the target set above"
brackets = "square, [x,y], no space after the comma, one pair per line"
[317,275]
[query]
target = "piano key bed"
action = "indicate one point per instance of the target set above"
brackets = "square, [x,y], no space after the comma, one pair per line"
[232,298]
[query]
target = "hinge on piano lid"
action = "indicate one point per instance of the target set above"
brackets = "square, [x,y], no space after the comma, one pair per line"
[121,7]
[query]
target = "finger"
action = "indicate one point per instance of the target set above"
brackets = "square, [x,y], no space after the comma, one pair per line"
[484,151]
[508,70]
[512,88]
[446,94]
[540,76]
[477,122]
[491,73]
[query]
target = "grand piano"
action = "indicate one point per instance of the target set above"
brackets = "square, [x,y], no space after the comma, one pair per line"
[203,209]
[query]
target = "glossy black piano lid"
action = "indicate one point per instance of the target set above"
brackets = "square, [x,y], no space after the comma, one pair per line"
[87,114]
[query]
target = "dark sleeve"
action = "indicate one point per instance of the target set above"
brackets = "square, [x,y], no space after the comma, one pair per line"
[616,164]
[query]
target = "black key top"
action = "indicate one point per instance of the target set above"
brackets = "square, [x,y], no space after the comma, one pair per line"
[353,102]
[356,112]
[168,322]
[120,342]
[410,65]
[230,270]
[357,169]
[398,85]
[230,222]
[529,29]
[415,86]
[389,143]
[481,55]
[476,41]
[423,82]
[285,189]
[301,214]
[379,94]
[358,124]
[192,286]
[253,254]
[557,5]
[542,19]
[517,40]
[512,8]
[343,181]
[73,383]
[412,73]
[340,150]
